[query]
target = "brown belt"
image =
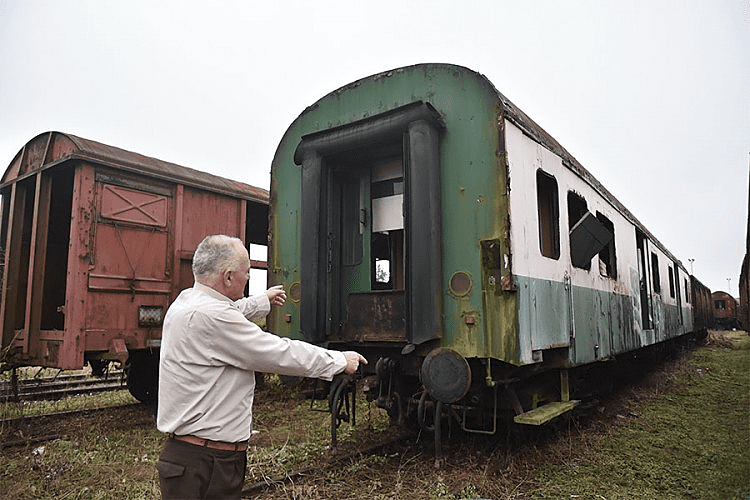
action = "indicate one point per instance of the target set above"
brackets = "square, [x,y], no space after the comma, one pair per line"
[207,443]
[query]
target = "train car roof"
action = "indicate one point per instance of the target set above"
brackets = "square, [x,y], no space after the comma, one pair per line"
[516,116]
[50,149]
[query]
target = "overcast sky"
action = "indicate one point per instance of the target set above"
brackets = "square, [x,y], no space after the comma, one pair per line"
[651,96]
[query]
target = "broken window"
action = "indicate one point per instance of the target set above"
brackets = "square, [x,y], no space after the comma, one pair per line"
[720,304]
[548,210]
[588,235]
[607,256]
[587,238]
[577,208]
[655,272]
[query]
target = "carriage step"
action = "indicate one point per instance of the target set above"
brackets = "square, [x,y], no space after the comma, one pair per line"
[545,413]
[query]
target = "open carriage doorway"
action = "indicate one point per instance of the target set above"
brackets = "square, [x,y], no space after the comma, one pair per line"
[371,228]
[367,266]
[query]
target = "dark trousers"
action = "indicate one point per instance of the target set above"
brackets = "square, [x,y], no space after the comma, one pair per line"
[188,471]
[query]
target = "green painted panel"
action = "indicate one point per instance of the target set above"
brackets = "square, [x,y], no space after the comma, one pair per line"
[473,193]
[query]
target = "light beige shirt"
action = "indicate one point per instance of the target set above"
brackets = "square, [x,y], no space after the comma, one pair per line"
[209,354]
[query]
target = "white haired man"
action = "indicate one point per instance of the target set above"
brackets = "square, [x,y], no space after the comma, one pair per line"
[210,352]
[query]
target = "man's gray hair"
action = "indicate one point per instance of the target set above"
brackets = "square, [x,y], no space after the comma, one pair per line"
[214,254]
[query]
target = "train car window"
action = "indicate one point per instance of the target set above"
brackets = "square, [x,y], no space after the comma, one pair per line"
[587,238]
[671,282]
[720,304]
[607,256]
[655,272]
[548,209]
[687,291]
[577,208]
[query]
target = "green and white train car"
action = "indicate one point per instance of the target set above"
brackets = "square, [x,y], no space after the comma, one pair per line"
[421,218]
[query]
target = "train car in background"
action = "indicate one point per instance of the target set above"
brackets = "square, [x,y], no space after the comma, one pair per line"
[703,306]
[96,243]
[421,218]
[726,311]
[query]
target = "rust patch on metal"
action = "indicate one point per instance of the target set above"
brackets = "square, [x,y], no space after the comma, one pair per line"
[374,316]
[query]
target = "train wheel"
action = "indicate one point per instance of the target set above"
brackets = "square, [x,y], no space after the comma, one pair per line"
[142,372]
[341,401]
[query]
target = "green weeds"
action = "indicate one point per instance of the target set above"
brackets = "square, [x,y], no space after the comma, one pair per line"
[689,444]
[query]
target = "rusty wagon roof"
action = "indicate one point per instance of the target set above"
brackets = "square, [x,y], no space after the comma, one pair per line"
[49,149]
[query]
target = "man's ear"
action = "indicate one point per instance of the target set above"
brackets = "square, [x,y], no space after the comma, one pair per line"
[225,278]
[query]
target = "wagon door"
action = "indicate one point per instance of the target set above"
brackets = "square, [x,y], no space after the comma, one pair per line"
[129,280]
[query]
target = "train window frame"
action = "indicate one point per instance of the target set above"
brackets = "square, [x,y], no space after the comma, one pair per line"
[608,254]
[655,276]
[671,282]
[388,228]
[687,291]
[548,214]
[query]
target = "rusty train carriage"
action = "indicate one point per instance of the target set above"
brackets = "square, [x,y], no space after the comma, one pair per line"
[422,218]
[97,242]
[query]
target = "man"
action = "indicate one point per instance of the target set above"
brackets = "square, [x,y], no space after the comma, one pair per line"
[210,351]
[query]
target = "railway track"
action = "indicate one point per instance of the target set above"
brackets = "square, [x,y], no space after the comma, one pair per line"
[62,385]
[395,440]
[26,430]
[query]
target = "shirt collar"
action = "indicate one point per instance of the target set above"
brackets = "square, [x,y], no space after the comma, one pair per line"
[210,291]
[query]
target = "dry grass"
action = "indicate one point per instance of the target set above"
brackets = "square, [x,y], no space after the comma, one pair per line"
[681,431]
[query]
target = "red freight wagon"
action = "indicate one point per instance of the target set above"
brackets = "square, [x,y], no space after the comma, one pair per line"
[96,243]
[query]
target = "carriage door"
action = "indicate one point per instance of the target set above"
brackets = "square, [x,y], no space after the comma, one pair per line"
[366,249]
[129,277]
[645,293]
[358,282]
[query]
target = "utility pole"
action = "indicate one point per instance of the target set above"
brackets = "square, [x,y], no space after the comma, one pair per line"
[729,286]
[691,265]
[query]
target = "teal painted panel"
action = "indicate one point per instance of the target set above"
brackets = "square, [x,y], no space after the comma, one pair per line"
[543,314]
[594,323]
[586,324]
